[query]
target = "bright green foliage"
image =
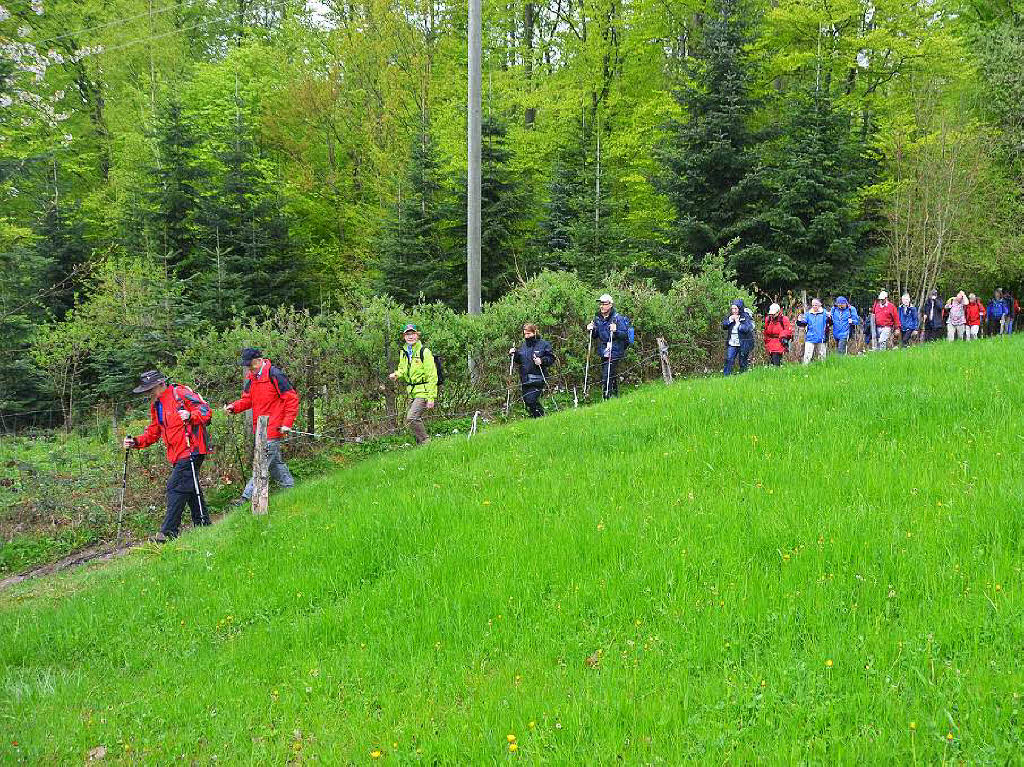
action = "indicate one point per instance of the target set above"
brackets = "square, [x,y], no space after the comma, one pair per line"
[677,576]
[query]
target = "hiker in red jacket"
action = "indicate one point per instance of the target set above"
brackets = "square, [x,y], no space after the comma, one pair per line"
[179,416]
[887,319]
[777,334]
[974,311]
[267,391]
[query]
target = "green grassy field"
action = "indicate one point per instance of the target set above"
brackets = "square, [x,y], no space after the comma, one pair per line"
[797,565]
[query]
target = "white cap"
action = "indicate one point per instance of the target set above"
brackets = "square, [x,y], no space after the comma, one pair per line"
[774,309]
[605,299]
[883,296]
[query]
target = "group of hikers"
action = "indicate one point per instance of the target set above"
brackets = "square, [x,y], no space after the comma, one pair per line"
[180,417]
[883,325]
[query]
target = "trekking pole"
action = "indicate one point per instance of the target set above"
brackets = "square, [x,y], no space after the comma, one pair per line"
[124,487]
[195,477]
[608,375]
[545,379]
[586,371]
[508,390]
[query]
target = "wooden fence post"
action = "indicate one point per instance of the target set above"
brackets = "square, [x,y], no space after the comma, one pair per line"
[666,366]
[261,468]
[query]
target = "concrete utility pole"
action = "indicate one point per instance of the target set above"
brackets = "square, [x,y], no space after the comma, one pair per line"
[473,181]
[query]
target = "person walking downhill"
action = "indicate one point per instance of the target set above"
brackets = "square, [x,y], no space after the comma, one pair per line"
[611,330]
[418,371]
[931,317]
[997,311]
[180,417]
[533,357]
[844,320]
[1012,308]
[817,322]
[267,391]
[887,320]
[910,320]
[956,317]
[777,334]
[974,312]
[739,337]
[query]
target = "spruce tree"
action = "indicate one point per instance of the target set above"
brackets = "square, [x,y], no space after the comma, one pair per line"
[709,165]
[416,260]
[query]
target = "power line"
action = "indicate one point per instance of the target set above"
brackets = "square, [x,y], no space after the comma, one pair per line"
[112,23]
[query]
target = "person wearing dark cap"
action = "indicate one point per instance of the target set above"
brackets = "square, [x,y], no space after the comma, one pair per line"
[267,391]
[932,321]
[180,417]
[418,371]
[533,358]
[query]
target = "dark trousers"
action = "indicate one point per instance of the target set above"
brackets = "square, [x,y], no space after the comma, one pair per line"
[775,358]
[531,398]
[933,334]
[905,337]
[741,353]
[181,489]
[610,378]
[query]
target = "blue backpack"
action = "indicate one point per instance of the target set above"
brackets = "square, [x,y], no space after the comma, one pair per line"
[630,332]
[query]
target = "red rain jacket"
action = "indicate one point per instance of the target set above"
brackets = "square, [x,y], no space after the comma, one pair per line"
[886,316]
[974,312]
[775,329]
[182,438]
[269,392]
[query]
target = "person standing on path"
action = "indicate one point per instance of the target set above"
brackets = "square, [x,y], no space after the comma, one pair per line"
[533,358]
[844,319]
[887,320]
[931,317]
[267,391]
[974,312]
[777,334]
[956,317]
[909,320]
[611,330]
[739,337]
[817,322]
[180,417]
[997,312]
[418,371]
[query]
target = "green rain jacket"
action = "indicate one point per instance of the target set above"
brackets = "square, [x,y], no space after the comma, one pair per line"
[419,376]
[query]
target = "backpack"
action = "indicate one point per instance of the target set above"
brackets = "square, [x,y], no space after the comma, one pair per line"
[196,399]
[630,332]
[438,364]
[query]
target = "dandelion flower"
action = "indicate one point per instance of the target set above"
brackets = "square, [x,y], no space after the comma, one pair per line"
[913,725]
[513,747]
[376,753]
[511,738]
[828,663]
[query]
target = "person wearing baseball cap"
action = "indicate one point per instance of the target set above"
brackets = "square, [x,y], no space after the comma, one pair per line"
[418,370]
[611,329]
[887,320]
[267,391]
[180,418]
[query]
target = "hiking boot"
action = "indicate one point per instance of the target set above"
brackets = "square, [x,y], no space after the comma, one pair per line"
[240,501]
[160,538]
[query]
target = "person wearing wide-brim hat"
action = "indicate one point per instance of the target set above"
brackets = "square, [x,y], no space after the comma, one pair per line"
[180,417]
[417,369]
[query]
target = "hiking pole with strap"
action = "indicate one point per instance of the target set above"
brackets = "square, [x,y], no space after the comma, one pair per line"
[203,518]
[554,402]
[124,487]
[608,376]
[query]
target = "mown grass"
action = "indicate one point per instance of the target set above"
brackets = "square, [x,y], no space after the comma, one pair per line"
[813,565]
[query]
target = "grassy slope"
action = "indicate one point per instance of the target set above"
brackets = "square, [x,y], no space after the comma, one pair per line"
[711,547]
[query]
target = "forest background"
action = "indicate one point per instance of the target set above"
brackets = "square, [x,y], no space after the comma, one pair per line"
[173,172]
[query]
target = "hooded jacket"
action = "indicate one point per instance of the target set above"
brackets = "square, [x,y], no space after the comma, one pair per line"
[997,309]
[974,312]
[746,329]
[776,329]
[268,392]
[817,326]
[418,371]
[529,373]
[181,438]
[931,314]
[843,320]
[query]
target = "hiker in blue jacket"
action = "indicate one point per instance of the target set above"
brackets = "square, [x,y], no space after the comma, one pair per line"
[611,330]
[997,311]
[817,322]
[910,320]
[739,336]
[844,318]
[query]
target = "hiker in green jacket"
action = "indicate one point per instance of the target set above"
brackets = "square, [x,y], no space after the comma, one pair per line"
[418,371]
